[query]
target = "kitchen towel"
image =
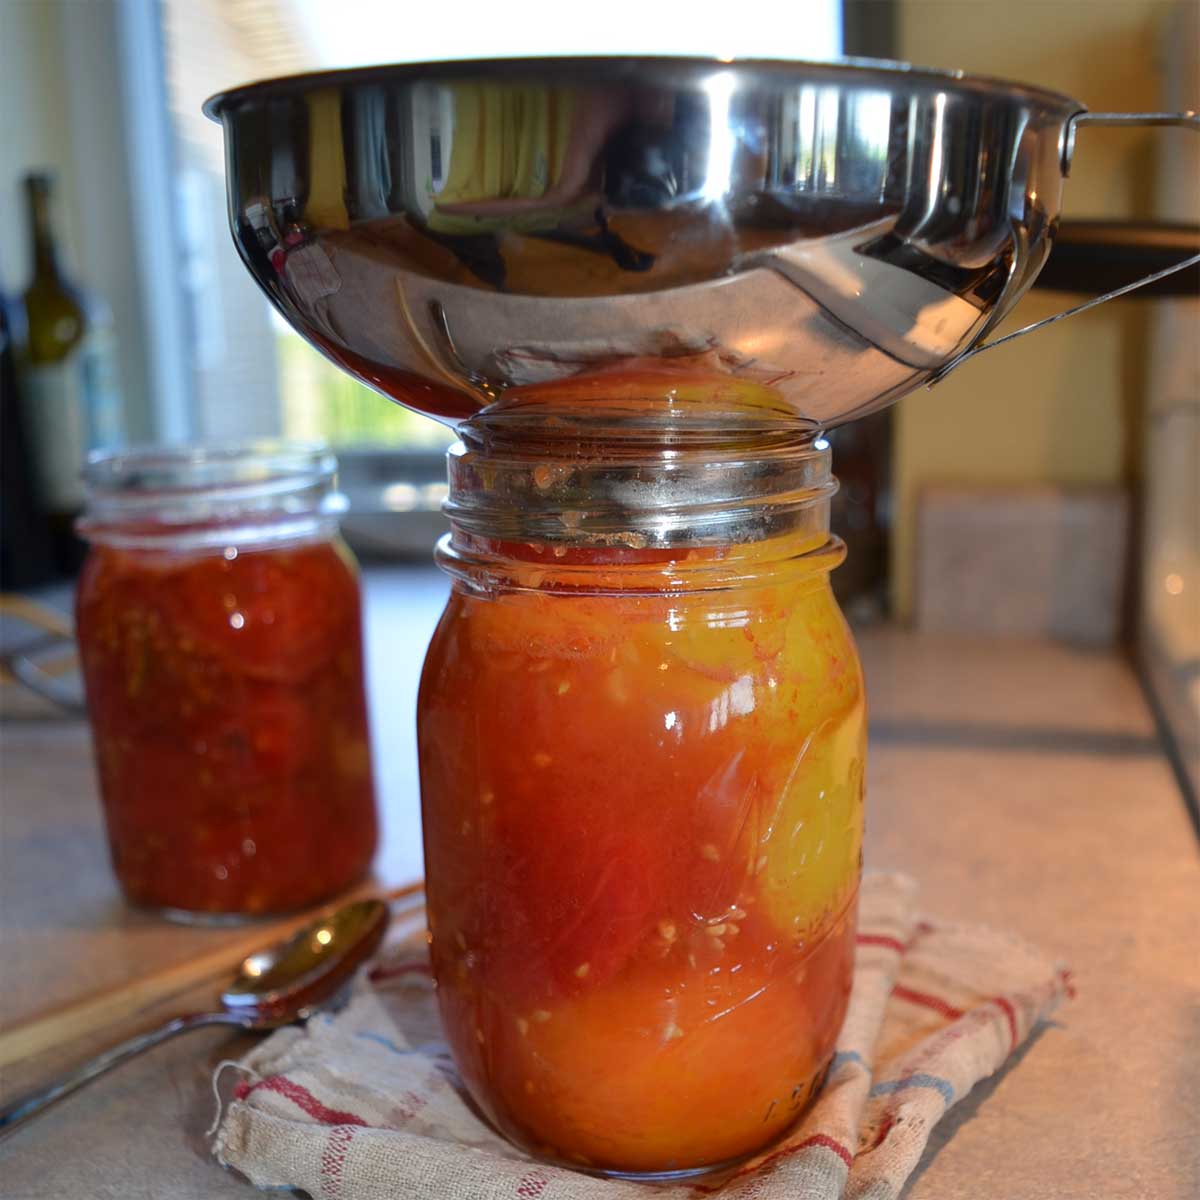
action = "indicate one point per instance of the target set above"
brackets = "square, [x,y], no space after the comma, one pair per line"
[364,1104]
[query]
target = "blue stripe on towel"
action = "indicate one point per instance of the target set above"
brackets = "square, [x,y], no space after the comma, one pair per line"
[936,1082]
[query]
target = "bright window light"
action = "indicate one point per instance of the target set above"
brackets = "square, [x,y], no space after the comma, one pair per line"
[352,32]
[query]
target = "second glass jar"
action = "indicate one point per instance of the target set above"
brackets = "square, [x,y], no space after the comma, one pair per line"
[220,633]
[642,741]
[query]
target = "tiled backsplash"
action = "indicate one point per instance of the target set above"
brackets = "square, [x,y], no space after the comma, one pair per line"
[1028,561]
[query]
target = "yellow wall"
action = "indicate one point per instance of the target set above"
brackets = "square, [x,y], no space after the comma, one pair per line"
[1061,405]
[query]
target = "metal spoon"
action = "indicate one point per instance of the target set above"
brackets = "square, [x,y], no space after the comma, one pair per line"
[285,983]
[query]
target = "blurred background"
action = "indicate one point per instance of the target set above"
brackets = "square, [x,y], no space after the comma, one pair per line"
[1046,489]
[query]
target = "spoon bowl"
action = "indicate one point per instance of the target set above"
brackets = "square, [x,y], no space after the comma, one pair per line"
[290,981]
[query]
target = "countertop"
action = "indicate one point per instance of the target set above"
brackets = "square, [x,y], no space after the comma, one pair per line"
[1022,784]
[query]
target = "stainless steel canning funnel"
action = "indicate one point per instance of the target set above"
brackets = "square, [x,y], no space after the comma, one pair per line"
[843,233]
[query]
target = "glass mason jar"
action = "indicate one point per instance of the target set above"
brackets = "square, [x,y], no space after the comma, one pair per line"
[219,623]
[642,738]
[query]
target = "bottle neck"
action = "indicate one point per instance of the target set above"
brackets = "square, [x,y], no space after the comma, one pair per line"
[38,194]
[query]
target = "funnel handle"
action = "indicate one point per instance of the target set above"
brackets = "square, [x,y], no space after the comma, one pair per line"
[1188,120]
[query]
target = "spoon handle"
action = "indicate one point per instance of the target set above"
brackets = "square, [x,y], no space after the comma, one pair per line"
[21,1110]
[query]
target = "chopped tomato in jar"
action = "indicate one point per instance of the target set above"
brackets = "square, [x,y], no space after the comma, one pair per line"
[226,697]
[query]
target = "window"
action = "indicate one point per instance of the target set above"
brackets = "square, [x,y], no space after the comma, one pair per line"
[239,347]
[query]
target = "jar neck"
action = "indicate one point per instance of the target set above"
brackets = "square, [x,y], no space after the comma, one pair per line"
[208,498]
[627,498]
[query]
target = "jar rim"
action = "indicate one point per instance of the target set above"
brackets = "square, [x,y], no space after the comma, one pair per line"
[587,479]
[151,493]
[276,465]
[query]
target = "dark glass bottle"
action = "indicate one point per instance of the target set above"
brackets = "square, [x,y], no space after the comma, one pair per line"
[69,398]
[25,559]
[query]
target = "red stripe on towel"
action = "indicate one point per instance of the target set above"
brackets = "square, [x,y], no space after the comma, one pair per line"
[304,1100]
[1006,1007]
[927,1001]
[880,939]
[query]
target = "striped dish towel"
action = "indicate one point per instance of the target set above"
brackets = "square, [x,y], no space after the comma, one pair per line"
[363,1105]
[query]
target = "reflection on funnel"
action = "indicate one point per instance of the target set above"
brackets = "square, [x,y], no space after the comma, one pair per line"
[452,232]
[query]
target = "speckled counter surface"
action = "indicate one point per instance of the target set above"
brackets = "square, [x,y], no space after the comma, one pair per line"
[1021,783]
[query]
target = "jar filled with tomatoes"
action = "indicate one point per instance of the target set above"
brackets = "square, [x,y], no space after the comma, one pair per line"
[220,633]
[642,741]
